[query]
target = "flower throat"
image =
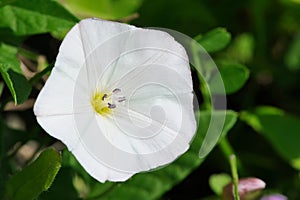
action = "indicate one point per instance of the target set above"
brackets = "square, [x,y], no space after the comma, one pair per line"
[105,103]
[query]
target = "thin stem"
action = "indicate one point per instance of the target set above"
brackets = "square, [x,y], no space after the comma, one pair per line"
[39,75]
[226,147]
[235,177]
[206,94]
[203,85]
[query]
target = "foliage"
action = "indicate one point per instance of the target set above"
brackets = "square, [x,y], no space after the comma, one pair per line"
[35,178]
[255,45]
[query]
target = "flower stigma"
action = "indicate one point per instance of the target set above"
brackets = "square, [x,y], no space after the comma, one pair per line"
[104,103]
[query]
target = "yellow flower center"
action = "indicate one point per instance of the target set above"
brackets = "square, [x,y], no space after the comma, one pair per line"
[104,103]
[101,103]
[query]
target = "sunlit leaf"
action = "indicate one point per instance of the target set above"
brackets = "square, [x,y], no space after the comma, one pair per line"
[214,40]
[280,128]
[242,48]
[106,9]
[218,181]
[35,16]
[35,178]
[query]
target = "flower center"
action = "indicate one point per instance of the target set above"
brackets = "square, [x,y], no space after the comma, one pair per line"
[104,103]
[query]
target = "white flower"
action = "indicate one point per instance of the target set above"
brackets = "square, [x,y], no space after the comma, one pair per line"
[120,98]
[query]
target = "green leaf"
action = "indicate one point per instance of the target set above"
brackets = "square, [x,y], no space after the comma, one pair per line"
[8,58]
[105,9]
[35,178]
[234,76]
[214,40]
[17,84]
[12,74]
[62,187]
[280,128]
[292,58]
[242,48]
[152,185]
[35,16]
[218,181]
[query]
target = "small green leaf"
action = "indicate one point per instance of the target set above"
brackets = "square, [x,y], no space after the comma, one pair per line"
[152,185]
[242,48]
[218,181]
[234,76]
[214,40]
[35,178]
[11,72]
[35,16]
[280,128]
[17,84]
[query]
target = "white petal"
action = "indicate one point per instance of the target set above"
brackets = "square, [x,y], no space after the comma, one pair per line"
[123,53]
[58,126]
[57,95]
[94,137]
[96,31]
[152,70]
[94,34]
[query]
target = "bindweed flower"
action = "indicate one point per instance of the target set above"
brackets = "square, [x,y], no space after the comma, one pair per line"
[120,98]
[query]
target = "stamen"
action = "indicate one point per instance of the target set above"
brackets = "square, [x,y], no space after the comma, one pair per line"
[111,106]
[104,96]
[121,99]
[104,103]
[116,90]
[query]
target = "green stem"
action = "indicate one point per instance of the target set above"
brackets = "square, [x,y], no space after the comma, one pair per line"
[232,161]
[226,147]
[206,94]
[39,75]
[203,85]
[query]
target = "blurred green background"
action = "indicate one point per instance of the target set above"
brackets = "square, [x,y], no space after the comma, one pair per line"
[265,39]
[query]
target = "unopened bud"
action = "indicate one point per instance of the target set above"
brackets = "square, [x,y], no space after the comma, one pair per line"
[248,188]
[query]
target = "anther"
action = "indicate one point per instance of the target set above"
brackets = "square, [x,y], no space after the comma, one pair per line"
[121,99]
[111,106]
[104,96]
[116,90]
